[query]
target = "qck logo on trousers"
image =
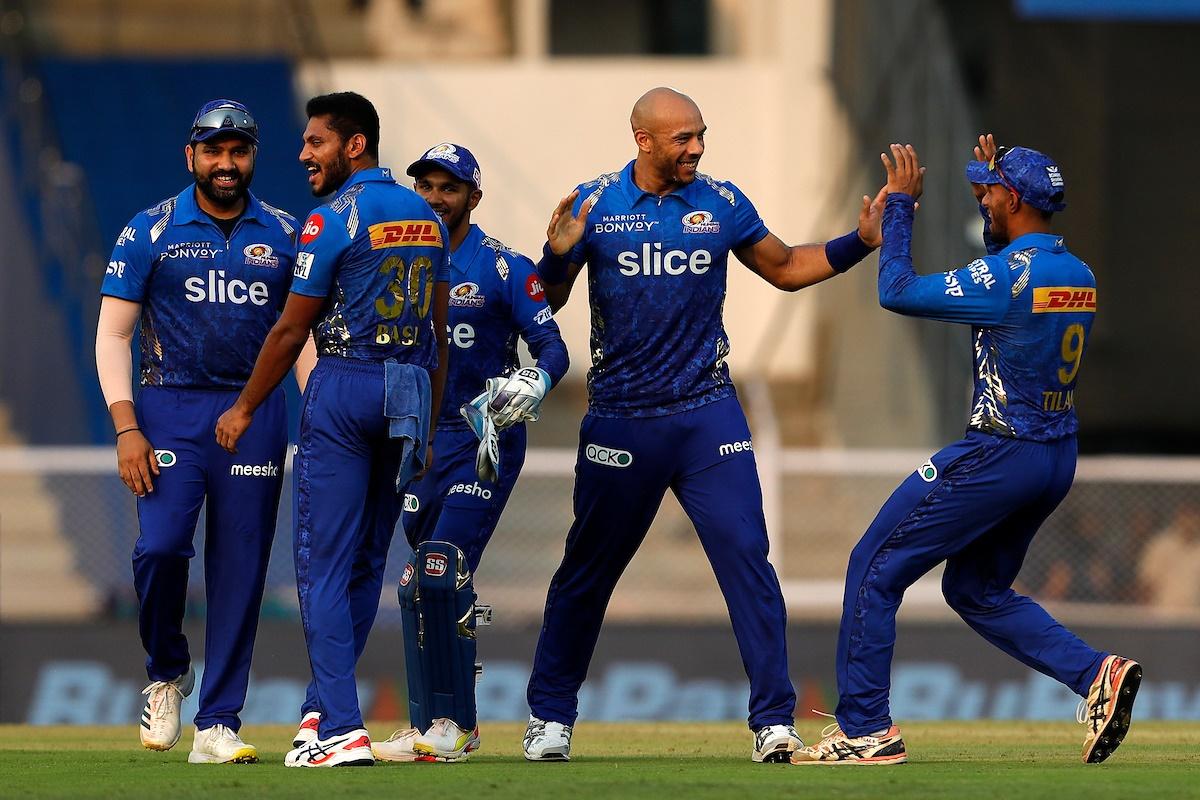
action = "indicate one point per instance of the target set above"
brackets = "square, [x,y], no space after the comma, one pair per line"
[165,458]
[411,503]
[928,472]
[435,565]
[608,456]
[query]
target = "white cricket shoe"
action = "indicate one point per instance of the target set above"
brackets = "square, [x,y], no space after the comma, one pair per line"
[775,744]
[398,747]
[445,741]
[308,731]
[547,741]
[351,749]
[221,745]
[161,727]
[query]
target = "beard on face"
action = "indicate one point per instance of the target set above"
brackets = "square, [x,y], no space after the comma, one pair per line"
[224,197]
[334,175]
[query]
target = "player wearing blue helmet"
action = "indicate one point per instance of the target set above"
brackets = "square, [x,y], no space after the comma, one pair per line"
[977,504]
[663,413]
[495,298]
[206,273]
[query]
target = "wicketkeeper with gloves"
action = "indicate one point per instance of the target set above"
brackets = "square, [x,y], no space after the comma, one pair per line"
[495,297]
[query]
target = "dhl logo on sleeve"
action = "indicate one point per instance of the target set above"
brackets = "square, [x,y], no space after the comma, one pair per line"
[405,233]
[1057,299]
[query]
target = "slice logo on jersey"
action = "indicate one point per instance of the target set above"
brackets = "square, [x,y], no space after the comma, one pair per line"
[533,288]
[312,229]
[928,472]
[608,456]
[700,222]
[1060,299]
[466,295]
[115,268]
[409,569]
[444,152]
[165,458]
[435,565]
[304,262]
[651,260]
[219,290]
[260,255]
[405,233]
[411,503]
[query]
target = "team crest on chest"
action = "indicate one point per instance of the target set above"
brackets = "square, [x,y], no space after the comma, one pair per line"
[466,295]
[700,222]
[260,255]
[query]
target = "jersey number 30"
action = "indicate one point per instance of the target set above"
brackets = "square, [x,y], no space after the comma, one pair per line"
[414,285]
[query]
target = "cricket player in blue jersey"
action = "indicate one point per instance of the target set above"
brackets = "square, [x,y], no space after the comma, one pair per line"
[663,413]
[206,273]
[978,503]
[495,297]
[370,282]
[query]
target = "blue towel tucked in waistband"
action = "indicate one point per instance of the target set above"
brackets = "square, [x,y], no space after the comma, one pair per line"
[406,402]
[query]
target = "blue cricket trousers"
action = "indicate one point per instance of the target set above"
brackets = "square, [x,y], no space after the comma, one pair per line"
[242,494]
[977,509]
[346,510]
[450,504]
[624,468]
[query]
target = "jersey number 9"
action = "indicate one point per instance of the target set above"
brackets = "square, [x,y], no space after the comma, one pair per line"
[1072,353]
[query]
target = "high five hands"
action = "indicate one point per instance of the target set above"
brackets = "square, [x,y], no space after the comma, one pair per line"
[905,175]
[566,230]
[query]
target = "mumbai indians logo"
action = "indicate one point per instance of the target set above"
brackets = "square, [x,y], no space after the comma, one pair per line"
[466,294]
[444,151]
[411,503]
[260,255]
[165,458]
[608,456]
[928,472]
[435,565]
[700,222]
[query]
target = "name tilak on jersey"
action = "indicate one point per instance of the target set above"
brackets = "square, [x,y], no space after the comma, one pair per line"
[651,260]
[219,290]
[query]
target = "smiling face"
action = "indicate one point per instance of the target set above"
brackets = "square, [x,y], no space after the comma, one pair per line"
[326,157]
[669,131]
[450,198]
[222,168]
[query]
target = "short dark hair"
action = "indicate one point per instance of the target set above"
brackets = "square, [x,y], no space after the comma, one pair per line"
[349,113]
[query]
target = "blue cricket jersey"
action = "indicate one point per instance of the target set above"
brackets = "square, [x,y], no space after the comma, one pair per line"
[495,296]
[375,251]
[1030,307]
[207,301]
[656,280]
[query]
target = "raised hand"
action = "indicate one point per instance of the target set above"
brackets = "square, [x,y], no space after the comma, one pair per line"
[905,175]
[985,151]
[870,219]
[565,230]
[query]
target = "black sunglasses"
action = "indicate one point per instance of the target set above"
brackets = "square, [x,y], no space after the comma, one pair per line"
[226,118]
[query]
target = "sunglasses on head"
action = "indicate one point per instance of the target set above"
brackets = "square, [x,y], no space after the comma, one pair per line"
[995,165]
[226,118]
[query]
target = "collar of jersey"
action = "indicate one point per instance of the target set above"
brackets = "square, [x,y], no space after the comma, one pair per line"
[187,210]
[1042,241]
[634,193]
[373,174]
[462,258]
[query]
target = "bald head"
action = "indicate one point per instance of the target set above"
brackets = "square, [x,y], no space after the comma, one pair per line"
[661,107]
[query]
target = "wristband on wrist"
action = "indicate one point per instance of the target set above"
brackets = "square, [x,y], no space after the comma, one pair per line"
[552,268]
[127,430]
[846,251]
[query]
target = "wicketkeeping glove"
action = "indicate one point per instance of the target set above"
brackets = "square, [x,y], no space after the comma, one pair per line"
[487,455]
[517,398]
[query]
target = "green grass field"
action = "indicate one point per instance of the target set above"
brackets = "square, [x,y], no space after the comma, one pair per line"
[672,761]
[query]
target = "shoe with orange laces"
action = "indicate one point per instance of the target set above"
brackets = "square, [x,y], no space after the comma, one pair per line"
[837,748]
[1108,709]
[351,749]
